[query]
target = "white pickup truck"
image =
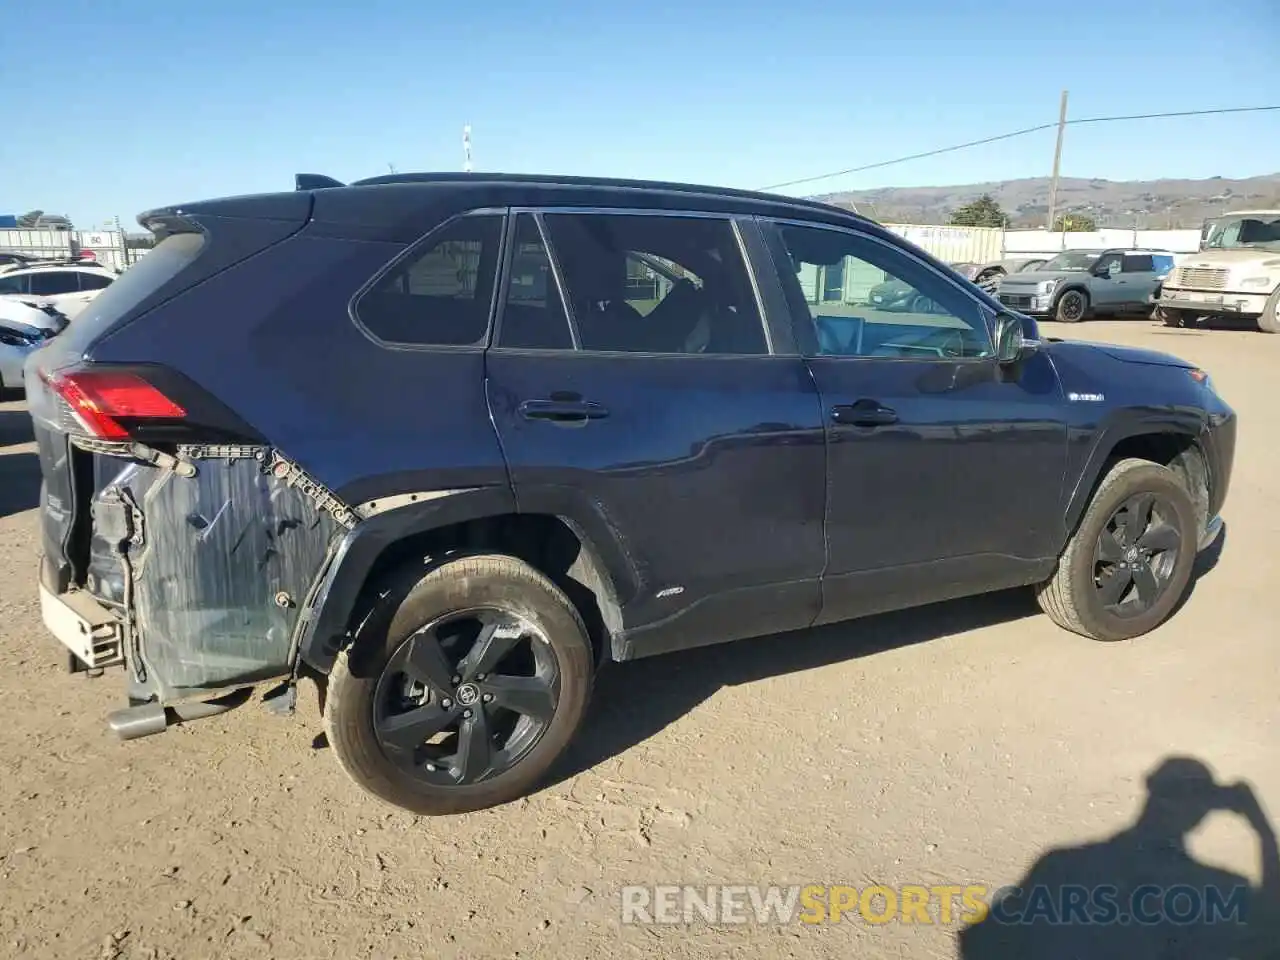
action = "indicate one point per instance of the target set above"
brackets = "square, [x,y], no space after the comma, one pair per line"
[1236,274]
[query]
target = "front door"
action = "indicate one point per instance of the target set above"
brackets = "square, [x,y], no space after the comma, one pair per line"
[1108,285]
[944,469]
[657,406]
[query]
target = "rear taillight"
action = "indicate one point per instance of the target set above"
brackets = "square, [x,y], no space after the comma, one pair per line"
[107,403]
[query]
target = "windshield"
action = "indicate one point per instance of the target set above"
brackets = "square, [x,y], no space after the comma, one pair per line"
[1072,260]
[1261,231]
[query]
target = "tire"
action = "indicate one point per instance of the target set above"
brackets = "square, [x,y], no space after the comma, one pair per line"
[357,696]
[1269,319]
[920,304]
[1073,597]
[1170,318]
[1072,306]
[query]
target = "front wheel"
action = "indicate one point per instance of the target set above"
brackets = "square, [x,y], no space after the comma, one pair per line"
[1128,564]
[461,693]
[1072,306]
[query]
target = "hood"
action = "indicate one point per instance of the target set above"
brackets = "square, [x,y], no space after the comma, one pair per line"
[1231,257]
[1032,277]
[14,309]
[1134,354]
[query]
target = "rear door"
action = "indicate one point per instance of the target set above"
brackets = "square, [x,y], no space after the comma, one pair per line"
[661,404]
[1138,273]
[944,469]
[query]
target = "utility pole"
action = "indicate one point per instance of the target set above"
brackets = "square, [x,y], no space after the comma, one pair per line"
[1057,162]
[466,148]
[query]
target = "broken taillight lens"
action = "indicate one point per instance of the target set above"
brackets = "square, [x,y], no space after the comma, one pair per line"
[101,399]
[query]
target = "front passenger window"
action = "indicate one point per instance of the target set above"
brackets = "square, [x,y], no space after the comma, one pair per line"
[867,299]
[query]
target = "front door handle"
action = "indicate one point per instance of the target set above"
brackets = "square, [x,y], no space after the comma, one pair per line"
[864,413]
[562,411]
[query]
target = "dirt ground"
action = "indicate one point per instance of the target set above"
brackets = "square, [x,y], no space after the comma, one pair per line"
[955,744]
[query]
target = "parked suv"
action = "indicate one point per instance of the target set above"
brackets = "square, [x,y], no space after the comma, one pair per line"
[68,287]
[447,443]
[1077,284]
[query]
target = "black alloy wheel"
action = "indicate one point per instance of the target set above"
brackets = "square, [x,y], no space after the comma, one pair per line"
[466,697]
[1072,306]
[1136,554]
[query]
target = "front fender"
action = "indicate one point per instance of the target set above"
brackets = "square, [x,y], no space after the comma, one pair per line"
[1117,428]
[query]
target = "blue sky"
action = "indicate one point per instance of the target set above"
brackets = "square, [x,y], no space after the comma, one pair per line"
[136,104]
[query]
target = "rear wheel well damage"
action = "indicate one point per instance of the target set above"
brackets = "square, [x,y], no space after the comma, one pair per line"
[550,544]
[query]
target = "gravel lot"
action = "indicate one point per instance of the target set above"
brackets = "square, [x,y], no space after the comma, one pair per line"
[955,745]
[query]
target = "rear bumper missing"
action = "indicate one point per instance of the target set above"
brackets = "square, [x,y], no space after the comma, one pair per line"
[89,630]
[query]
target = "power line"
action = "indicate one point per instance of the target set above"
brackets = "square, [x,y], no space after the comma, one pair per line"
[1011,135]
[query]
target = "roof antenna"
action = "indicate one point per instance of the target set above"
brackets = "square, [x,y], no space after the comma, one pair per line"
[466,148]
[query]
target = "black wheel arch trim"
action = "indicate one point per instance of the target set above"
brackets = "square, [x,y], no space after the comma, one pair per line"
[341,582]
[1181,423]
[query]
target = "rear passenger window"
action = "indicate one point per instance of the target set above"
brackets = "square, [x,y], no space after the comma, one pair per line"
[1138,263]
[94,281]
[441,294]
[54,282]
[654,284]
[533,316]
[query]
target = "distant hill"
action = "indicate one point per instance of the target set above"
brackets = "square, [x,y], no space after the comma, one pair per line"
[1145,204]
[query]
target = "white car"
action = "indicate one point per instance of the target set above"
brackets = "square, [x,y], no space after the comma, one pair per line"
[67,286]
[23,328]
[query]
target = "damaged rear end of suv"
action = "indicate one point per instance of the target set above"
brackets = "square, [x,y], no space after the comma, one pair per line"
[177,541]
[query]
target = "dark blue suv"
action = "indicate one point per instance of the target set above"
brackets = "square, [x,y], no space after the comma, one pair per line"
[446,443]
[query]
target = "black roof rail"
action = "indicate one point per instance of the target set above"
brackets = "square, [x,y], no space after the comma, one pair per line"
[315,181]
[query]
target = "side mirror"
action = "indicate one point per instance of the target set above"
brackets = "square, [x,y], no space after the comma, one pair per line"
[1011,339]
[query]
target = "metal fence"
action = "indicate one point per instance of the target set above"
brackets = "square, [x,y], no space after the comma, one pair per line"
[110,247]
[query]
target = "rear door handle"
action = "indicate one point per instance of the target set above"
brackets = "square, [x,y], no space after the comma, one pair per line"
[562,411]
[864,413]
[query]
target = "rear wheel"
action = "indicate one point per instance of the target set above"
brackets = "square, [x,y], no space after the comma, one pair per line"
[1072,306]
[463,693]
[1269,320]
[1129,562]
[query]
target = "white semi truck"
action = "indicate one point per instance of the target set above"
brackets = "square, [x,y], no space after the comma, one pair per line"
[1236,274]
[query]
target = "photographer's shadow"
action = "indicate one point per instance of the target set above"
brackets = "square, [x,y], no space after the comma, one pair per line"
[1141,893]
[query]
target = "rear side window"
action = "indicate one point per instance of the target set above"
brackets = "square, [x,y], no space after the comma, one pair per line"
[1138,263]
[94,281]
[441,293]
[18,284]
[54,282]
[1162,263]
